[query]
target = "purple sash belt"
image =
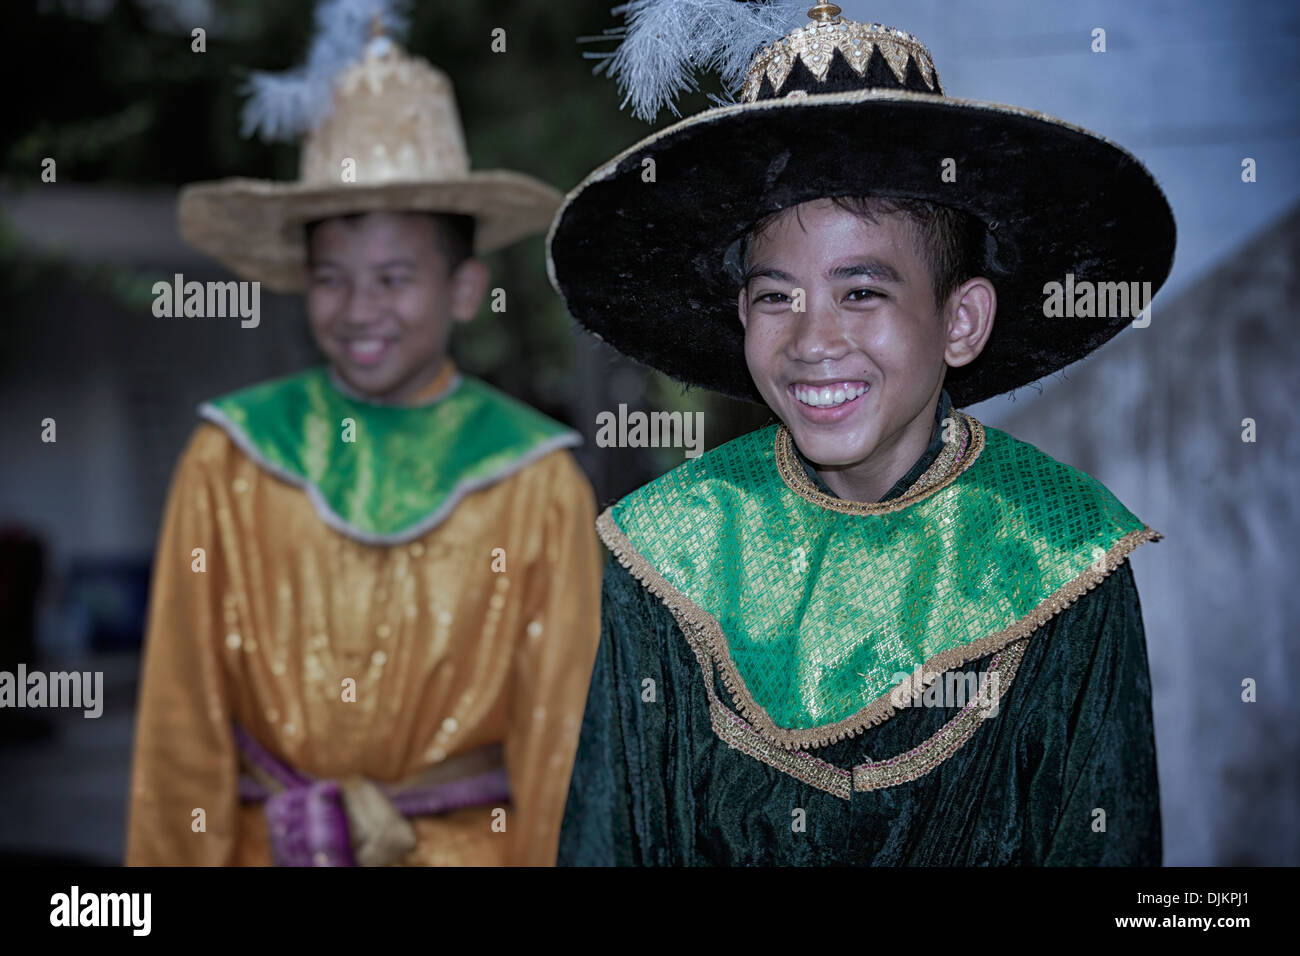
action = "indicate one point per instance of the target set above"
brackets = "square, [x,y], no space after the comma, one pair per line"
[356,822]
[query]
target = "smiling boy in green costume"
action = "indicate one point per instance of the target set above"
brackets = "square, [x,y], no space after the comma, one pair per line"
[878,632]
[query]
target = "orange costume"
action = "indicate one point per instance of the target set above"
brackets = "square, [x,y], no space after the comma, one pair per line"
[372,626]
[277,582]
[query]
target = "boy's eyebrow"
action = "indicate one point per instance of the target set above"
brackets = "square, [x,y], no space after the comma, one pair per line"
[870,268]
[759,272]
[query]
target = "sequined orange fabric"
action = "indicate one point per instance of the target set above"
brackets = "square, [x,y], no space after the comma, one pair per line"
[265,623]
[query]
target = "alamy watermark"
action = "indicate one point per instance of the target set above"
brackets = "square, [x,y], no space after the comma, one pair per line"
[949,689]
[651,430]
[83,689]
[130,910]
[210,300]
[1100,300]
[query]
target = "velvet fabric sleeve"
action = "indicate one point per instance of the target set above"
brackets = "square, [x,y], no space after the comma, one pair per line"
[622,788]
[1108,809]
[654,785]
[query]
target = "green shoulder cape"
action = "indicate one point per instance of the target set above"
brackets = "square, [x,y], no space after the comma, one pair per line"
[825,616]
[384,474]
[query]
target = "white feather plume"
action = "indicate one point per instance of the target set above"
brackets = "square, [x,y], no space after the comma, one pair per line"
[284,106]
[667,43]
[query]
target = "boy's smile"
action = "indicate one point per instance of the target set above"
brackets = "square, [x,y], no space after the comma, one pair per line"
[846,344]
[381,301]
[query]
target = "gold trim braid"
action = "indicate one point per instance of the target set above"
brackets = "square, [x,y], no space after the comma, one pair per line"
[738,735]
[874,775]
[959,453]
[948,739]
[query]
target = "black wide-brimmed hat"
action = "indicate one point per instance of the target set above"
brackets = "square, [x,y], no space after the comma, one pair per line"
[839,108]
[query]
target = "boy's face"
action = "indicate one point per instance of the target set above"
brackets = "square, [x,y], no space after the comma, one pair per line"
[856,375]
[381,301]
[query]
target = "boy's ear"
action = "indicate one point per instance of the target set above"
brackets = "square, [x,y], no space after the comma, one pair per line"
[971,309]
[468,286]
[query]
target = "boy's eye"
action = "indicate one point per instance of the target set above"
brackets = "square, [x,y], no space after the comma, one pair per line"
[864,295]
[773,297]
[395,278]
[324,278]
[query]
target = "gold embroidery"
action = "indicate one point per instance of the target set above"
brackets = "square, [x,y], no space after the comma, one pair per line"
[955,458]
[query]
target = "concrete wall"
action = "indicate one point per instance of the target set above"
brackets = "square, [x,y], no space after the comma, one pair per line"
[1157,416]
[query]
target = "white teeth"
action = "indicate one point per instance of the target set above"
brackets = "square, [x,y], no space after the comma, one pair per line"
[828,395]
[366,347]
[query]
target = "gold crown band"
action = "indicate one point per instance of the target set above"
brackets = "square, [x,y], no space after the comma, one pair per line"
[815,43]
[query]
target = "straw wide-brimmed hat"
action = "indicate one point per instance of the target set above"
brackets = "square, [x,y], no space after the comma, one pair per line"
[839,108]
[393,142]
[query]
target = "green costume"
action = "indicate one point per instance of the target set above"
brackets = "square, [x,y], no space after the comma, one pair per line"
[753,752]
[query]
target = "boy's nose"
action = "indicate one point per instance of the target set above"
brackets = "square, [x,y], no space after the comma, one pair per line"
[818,333]
[363,306]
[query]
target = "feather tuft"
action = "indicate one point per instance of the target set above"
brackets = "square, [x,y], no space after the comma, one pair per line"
[284,106]
[665,45]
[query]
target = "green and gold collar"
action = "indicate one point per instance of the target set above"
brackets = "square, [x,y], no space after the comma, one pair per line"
[814,609]
[384,474]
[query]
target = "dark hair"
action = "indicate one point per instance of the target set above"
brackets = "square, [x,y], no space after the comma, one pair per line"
[951,242]
[454,233]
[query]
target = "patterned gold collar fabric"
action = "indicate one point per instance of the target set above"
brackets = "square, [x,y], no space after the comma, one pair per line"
[814,609]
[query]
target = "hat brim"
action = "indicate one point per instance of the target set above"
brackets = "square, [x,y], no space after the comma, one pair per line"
[254,227]
[641,263]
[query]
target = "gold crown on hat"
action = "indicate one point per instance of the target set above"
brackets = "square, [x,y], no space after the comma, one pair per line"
[395,115]
[826,32]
